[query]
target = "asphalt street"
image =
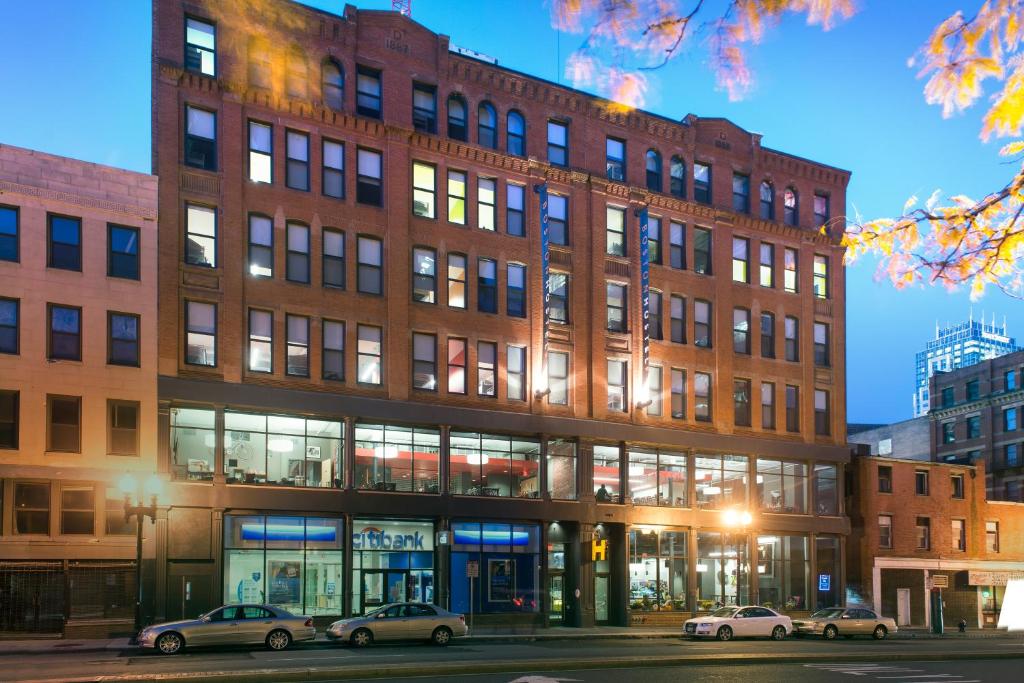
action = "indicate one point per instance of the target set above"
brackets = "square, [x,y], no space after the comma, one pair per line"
[323,661]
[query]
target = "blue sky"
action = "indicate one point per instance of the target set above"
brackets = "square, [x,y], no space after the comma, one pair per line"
[75,79]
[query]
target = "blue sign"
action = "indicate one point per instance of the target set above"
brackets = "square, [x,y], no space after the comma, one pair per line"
[824,582]
[491,537]
[372,538]
[289,532]
[645,289]
[545,264]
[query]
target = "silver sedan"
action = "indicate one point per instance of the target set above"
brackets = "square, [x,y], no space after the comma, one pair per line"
[401,621]
[832,622]
[231,625]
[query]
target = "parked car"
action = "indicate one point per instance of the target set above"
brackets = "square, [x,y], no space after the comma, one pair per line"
[727,623]
[832,622]
[230,625]
[400,621]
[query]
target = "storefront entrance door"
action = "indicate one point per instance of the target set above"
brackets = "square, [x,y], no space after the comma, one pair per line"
[556,593]
[382,587]
[601,598]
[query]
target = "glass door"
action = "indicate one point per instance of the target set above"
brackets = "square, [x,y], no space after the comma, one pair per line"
[601,598]
[556,594]
[396,583]
[373,590]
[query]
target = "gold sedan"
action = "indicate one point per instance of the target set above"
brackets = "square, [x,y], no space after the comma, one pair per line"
[832,622]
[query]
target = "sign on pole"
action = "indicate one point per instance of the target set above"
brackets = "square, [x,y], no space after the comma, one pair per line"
[645,290]
[545,266]
[473,569]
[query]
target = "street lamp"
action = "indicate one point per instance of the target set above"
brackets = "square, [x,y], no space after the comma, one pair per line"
[134,495]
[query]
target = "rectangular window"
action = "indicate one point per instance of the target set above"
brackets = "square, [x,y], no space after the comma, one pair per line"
[515,210]
[516,374]
[702,323]
[702,251]
[789,275]
[992,537]
[822,413]
[457,280]
[792,408]
[973,390]
[116,524]
[921,482]
[9,325]
[615,159]
[768,405]
[9,419]
[200,235]
[821,354]
[424,275]
[368,91]
[615,231]
[701,182]
[424,108]
[369,275]
[702,396]
[677,316]
[200,138]
[974,427]
[31,507]
[424,190]
[200,47]
[77,510]
[820,276]
[558,297]
[65,339]
[792,339]
[424,362]
[1010,454]
[558,219]
[558,378]
[885,532]
[485,200]
[369,351]
[677,245]
[740,193]
[297,345]
[948,432]
[261,246]
[64,242]
[123,427]
[558,143]
[456,365]
[487,285]
[123,339]
[924,533]
[261,152]
[741,330]
[740,259]
[741,402]
[616,314]
[369,177]
[64,424]
[333,267]
[333,172]
[515,291]
[654,390]
[1009,377]
[9,229]
[885,479]
[486,364]
[200,333]
[821,209]
[678,389]
[122,252]
[956,485]
[767,264]
[617,385]
[654,240]
[333,362]
[782,486]
[767,335]
[826,491]
[1010,420]
[947,397]
[261,341]
[297,263]
[457,197]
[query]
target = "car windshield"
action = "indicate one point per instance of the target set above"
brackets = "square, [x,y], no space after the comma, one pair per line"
[830,613]
[724,612]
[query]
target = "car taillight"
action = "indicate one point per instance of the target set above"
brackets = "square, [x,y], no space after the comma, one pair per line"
[309,622]
[462,618]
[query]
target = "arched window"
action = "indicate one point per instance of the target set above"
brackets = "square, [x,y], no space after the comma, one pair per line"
[767,201]
[790,206]
[456,117]
[297,80]
[259,63]
[677,177]
[653,163]
[487,126]
[516,129]
[333,84]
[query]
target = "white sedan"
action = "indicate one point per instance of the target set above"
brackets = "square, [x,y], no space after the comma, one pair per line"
[727,623]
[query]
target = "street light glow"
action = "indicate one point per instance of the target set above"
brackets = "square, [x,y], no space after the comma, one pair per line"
[128,485]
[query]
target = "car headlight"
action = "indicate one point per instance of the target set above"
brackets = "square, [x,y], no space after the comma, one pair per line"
[704,624]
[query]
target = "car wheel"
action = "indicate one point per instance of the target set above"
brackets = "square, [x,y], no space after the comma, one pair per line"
[442,636]
[169,644]
[279,639]
[830,632]
[880,632]
[725,633]
[778,633]
[361,638]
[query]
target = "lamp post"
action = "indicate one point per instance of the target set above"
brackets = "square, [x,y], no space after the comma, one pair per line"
[740,520]
[134,497]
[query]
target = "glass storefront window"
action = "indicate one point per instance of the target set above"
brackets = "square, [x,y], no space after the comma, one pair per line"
[782,486]
[393,458]
[393,561]
[826,549]
[826,495]
[193,444]
[494,465]
[721,481]
[657,478]
[722,567]
[509,566]
[657,570]
[291,562]
[561,461]
[782,569]
[282,450]
[606,474]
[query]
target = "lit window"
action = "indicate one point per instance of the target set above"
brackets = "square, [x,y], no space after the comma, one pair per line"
[740,259]
[615,159]
[820,276]
[617,402]
[424,362]
[369,179]
[261,341]
[333,269]
[261,159]
[457,197]
[424,108]
[369,277]
[200,47]
[456,366]
[333,180]
[200,235]
[790,207]
[297,263]
[424,275]
[486,364]
[200,333]
[790,279]
[424,198]
[615,231]
[558,143]
[767,264]
[485,199]
[558,219]
[369,352]
[457,280]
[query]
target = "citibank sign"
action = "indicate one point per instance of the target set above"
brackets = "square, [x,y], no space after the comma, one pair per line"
[392,537]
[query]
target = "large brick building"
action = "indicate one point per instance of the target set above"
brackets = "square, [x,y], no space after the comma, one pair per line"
[364,390]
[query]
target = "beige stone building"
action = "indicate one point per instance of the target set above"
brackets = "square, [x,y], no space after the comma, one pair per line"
[77,387]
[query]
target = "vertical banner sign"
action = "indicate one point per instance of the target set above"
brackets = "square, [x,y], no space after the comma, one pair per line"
[645,291]
[545,269]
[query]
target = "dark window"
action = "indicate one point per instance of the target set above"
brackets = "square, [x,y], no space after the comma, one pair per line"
[297,263]
[65,332]
[368,92]
[333,174]
[369,178]
[9,246]
[261,246]
[652,164]
[702,323]
[333,267]
[948,432]
[8,419]
[558,219]
[973,390]
[516,373]
[123,427]
[297,345]
[885,479]
[200,235]
[487,126]
[924,533]
[677,245]
[64,424]
[424,190]
[261,152]
[678,390]
[333,363]
[200,333]
[947,397]
[31,507]
[516,290]
[424,275]
[677,177]
[740,193]
[702,408]
[1011,453]
[558,143]
[615,231]
[741,330]
[792,338]
[768,405]
[200,47]
[615,159]
[702,182]
[65,242]
[767,193]
[821,355]
[333,84]
[617,319]
[792,408]
[617,386]
[261,341]
[974,427]
[885,531]
[487,285]
[123,252]
[822,413]
[702,251]
[200,138]
[515,134]
[654,240]
[677,316]
[826,492]
[424,108]
[790,207]
[123,340]
[369,278]
[457,118]
[486,364]
[558,299]
[956,484]
[297,175]
[654,311]
[741,402]
[768,335]
[515,207]
[77,510]
[821,210]
[9,325]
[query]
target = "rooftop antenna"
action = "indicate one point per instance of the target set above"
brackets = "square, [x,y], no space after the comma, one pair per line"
[402,7]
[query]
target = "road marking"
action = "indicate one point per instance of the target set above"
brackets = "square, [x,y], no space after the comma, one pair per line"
[925,676]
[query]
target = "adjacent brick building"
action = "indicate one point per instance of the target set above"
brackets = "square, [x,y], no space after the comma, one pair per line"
[354,339]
